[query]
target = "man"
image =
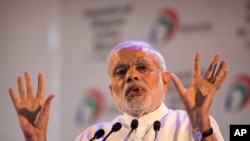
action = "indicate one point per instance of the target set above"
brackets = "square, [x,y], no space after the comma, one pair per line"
[139,81]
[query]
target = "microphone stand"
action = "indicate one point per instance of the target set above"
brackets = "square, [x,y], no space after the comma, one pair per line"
[157,125]
[133,125]
[117,126]
[99,133]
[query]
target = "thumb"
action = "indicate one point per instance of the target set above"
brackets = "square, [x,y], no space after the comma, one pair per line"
[42,119]
[47,104]
[178,84]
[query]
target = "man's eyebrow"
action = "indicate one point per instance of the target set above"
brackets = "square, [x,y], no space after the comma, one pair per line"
[118,65]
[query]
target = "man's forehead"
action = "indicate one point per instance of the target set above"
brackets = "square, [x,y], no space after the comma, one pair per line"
[133,61]
[132,56]
[132,50]
[141,47]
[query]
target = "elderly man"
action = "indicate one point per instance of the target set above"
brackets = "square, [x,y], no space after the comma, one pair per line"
[138,82]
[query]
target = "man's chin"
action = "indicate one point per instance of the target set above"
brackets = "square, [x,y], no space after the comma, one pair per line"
[137,109]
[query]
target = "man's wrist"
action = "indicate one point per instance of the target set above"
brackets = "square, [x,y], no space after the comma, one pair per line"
[200,135]
[201,123]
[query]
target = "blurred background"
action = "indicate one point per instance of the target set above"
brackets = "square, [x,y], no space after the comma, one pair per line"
[69,41]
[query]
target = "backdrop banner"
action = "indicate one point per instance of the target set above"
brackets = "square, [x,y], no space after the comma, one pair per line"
[177,29]
[70,40]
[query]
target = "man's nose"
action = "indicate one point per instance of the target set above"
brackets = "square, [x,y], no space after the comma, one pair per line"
[132,75]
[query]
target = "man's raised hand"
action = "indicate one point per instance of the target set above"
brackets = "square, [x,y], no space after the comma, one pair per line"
[32,110]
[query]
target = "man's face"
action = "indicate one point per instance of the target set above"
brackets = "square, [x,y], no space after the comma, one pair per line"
[137,82]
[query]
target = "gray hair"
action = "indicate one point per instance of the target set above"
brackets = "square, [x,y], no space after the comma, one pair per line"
[142,44]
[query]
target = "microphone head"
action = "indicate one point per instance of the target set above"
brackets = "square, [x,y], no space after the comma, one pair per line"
[157,125]
[134,124]
[99,133]
[117,126]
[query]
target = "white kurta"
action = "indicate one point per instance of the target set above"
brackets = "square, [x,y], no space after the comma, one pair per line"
[175,126]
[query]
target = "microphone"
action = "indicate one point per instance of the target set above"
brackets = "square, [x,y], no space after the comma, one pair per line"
[116,127]
[133,125]
[157,126]
[99,133]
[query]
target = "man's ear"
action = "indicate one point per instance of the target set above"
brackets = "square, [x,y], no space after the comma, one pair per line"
[111,90]
[166,80]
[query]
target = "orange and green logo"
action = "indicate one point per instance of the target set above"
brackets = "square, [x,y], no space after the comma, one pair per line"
[239,94]
[90,107]
[165,26]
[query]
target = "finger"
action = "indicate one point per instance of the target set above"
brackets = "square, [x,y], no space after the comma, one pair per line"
[220,75]
[22,93]
[210,72]
[221,80]
[196,69]
[221,69]
[30,90]
[178,84]
[41,86]
[41,121]
[14,99]
[47,104]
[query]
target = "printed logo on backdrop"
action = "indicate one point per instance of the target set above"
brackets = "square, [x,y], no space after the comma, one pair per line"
[90,107]
[165,27]
[168,24]
[243,31]
[238,97]
[106,24]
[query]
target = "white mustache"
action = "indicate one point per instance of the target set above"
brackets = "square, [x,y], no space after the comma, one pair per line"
[133,86]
